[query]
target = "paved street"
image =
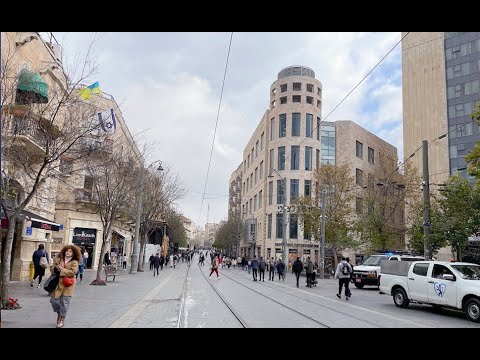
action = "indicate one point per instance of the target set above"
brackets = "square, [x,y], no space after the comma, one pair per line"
[174,299]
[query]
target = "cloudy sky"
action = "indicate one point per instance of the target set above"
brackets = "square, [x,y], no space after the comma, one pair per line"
[170,83]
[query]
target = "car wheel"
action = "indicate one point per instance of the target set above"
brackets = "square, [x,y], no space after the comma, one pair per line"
[359,286]
[400,298]
[472,310]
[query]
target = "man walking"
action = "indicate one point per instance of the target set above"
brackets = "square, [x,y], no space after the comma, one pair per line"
[309,268]
[254,264]
[261,268]
[156,264]
[343,273]
[151,261]
[281,270]
[271,272]
[297,268]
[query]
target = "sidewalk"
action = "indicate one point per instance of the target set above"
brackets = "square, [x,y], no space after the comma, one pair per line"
[91,306]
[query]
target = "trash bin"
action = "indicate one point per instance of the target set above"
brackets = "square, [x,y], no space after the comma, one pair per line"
[32,270]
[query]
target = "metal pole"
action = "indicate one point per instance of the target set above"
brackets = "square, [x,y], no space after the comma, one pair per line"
[322,239]
[134,262]
[284,242]
[426,203]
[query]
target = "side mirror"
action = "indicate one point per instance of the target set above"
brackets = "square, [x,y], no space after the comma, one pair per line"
[448,277]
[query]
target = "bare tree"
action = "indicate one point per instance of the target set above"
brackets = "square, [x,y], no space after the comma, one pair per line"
[41,123]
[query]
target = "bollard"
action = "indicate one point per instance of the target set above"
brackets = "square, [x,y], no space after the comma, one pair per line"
[32,270]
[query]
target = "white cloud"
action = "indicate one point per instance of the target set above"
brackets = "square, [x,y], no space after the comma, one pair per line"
[170,83]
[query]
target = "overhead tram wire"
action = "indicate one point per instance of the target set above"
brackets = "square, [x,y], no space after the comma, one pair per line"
[351,91]
[216,123]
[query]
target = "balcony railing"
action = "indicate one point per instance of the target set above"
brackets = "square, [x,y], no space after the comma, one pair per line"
[85,195]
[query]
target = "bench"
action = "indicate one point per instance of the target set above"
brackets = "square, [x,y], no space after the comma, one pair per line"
[110,270]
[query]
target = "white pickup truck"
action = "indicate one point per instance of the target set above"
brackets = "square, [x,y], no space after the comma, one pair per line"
[454,285]
[367,273]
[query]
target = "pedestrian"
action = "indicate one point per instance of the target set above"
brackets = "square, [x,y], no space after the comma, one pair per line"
[347,259]
[150,259]
[66,265]
[106,259]
[162,261]
[124,261]
[214,267]
[40,262]
[344,270]
[297,269]
[156,264]
[174,260]
[85,253]
[254,264]
[271,272]
[261,269]
[281,269]
[171,260]
[314,274]
[309,268]
[81,266]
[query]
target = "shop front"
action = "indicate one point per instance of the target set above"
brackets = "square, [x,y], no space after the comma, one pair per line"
[85,239]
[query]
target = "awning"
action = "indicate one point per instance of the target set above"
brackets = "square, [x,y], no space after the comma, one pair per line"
[40,222]
[32,85]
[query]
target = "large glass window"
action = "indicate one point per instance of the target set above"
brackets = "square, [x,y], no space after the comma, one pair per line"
[297,86]
[279,226]
[295,158]
[309,87]
[293,226]
[282,119]
[307,191]
[272,128]
[294,189]
[281,158]
[295,124]
[279,192]
[371,156]
[283,88]
[308,158]
[271,159]
[359,149]
[270,193]
[269,226]
[309,125]
[328,144]
[296,98]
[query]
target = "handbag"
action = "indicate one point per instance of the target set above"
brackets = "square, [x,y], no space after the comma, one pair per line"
[68,281]
[43,262]
[51,283]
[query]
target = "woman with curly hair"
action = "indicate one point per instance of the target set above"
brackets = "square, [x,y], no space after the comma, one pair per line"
[66,265]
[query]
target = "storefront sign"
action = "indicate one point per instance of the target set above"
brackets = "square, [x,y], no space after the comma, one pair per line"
[84,236]
[292,251]
[45,226]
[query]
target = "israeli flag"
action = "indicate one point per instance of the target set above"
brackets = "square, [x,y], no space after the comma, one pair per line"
[107,121]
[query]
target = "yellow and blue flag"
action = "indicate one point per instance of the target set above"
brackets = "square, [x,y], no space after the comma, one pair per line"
[87,92]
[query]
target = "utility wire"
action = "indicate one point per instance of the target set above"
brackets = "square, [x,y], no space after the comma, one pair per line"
[216,123]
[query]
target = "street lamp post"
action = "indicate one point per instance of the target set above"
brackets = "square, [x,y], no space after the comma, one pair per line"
[283,182]
[134,262]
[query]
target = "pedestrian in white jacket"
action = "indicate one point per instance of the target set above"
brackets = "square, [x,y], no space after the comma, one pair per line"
[343,273]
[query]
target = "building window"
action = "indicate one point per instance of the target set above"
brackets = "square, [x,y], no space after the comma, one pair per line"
[256,148]
[248,184]
[248,161]
[250,206]
[279,226]
[317,163]
[260,195]
[271,160]
[296,98]
[318,128]
[269,226]
[295,158]
[261,169]
[283,88]
[310,88]
[274,91]
[255,203]
[244,165]
[273,104]
[279,192]
[308,158]
[295,124]
[371,156]
[328,144]
[244,188]
[281,158]
[319,104]
[359,149]
[293,226]
[307,190]
[294,189]
[270,193]
[256,175]
[283,100]
[309,100]
[359,205]
[297,86]
[359,177]
[272,128]
[308,125]
[251,157]
[262,138]
[251,180]
[319,91]
[282,119]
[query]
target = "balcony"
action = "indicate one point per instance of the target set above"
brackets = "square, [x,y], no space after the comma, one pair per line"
[85,196]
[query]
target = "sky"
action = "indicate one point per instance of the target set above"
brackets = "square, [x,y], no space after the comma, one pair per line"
[168,87]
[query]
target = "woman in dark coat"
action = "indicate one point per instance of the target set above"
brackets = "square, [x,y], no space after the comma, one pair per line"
[39,271]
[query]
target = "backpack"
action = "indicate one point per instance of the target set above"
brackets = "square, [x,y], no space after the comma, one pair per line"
[345,269]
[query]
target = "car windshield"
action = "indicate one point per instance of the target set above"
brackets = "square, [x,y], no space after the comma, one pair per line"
[470,272]
[412,258]
[374,260]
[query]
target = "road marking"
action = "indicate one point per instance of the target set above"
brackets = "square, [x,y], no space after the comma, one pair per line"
[393,317]
[129,317]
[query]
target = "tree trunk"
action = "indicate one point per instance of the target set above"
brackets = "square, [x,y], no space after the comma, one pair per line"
[98,280]
[140,256]
[334,263]
[6,258]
